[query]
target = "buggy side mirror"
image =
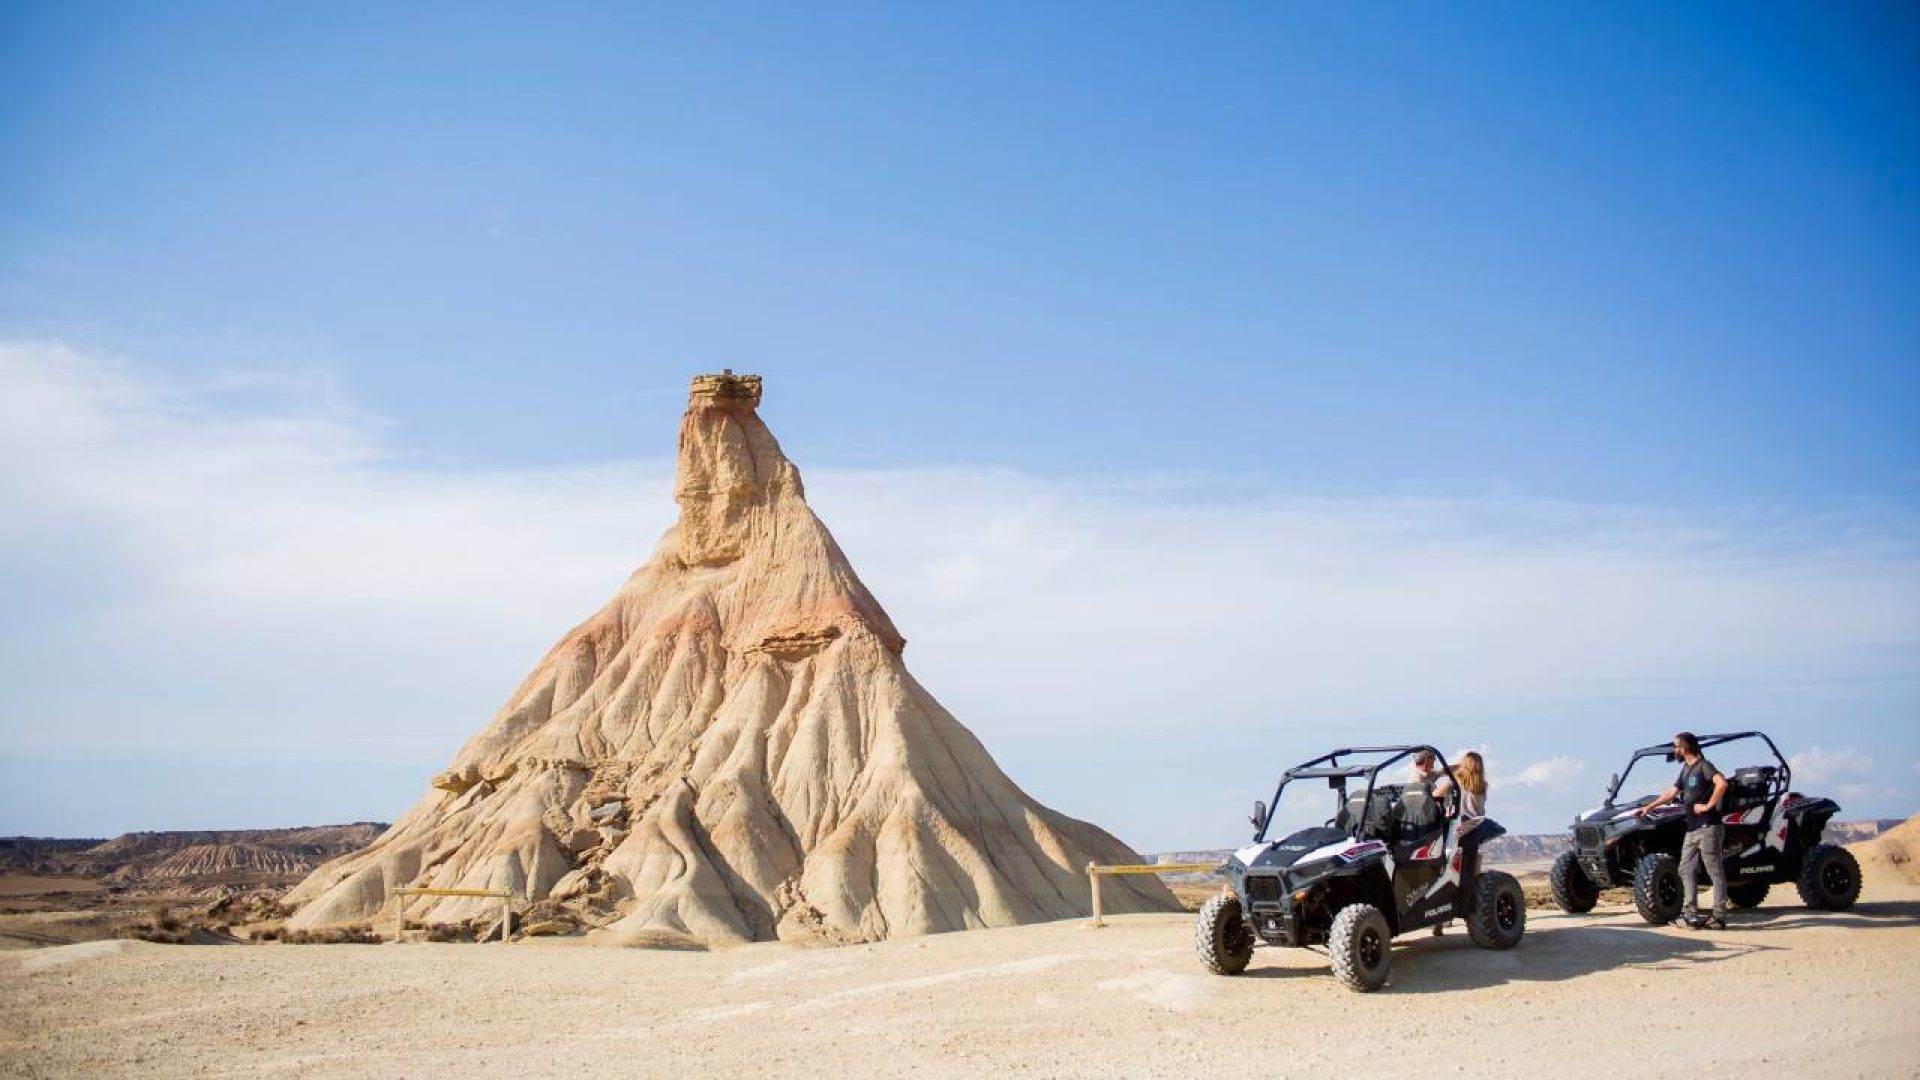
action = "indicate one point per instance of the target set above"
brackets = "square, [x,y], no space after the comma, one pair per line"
[1613,784]
[1259,817]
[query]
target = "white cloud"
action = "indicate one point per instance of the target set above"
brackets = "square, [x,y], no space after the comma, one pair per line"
[1818,765]
[190,575]
[1549,773]
[1854,792]
[185,572]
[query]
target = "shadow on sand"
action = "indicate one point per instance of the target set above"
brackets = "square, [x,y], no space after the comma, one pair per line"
[1559,947]
[1867,915]
[1566,951]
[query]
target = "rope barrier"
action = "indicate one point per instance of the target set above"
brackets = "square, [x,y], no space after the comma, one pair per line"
[1095,872]
[505,898]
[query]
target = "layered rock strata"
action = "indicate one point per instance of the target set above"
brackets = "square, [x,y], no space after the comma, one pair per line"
[732,750]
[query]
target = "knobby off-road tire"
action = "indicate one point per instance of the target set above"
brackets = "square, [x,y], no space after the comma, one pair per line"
[1829,878]
[1747,894]
[1656,888]
[1499,913]
[1221,936]
[1360,944]
[1573,890]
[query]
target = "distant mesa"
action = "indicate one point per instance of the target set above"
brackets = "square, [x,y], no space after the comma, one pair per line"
[732,750]
[143,858]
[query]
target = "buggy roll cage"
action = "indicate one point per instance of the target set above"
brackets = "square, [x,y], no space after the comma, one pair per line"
[1665,750]
[1328,767]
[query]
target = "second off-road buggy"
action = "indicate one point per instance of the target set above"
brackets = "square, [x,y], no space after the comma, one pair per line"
[1772,837]
[1389,860]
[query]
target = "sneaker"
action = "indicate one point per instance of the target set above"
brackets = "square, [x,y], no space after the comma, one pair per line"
[1712,923]
[1692,922]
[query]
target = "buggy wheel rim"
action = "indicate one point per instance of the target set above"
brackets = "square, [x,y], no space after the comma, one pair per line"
[1668,889]
[1371,951]
[1835,878]
[1504,912]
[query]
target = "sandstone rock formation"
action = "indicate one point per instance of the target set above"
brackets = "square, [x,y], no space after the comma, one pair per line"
[732,750]
[1894,855]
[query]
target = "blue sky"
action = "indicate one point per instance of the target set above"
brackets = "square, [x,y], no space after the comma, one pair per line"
[1571,323]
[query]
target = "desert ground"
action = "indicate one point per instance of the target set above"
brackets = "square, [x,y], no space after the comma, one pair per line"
[1786,992]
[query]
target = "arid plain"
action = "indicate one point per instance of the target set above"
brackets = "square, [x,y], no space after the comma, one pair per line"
[1785,992]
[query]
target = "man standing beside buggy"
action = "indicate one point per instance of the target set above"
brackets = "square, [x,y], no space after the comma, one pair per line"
[1701,788]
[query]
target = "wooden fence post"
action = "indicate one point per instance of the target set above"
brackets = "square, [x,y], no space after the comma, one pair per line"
[1093,875]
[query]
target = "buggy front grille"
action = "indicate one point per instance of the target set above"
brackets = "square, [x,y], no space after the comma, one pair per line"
[1587,837]
[1263,889]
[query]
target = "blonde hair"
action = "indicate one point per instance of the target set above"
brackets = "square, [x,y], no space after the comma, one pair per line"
[1471,773]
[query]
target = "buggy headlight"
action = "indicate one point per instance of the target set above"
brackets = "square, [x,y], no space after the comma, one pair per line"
[1299,877]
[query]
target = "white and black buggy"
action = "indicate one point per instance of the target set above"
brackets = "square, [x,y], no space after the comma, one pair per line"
[1773,837]
[1388,861]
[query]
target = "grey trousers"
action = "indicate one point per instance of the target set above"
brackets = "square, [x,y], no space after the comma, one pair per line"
[1703,845]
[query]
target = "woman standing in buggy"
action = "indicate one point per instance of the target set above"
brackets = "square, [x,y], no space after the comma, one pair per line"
[1470,775]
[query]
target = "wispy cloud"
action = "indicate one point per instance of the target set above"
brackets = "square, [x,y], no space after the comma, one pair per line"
[185,572]
[1548,773]
[1818,765]
[269,578]
[1847,774]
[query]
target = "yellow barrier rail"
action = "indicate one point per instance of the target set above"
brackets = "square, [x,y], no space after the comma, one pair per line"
[505,898]
[1095,872]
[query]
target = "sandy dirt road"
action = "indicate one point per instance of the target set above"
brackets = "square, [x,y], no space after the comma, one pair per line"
[1787,993]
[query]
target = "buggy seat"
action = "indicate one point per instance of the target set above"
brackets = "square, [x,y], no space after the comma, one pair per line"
[1375,822]
[1419,815]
